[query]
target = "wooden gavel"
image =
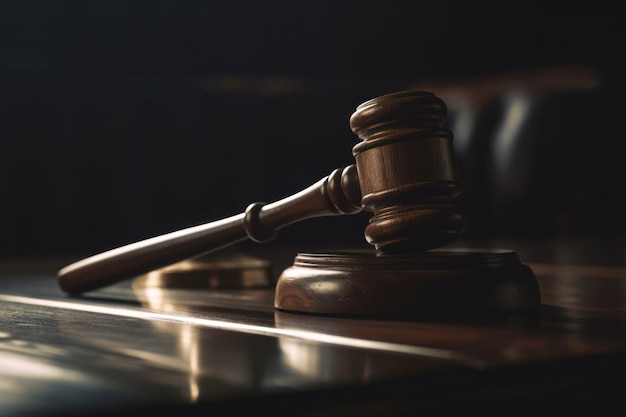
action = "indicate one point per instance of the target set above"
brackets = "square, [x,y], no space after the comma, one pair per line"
[405,174]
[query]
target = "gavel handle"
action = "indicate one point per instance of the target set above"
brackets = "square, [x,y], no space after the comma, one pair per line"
[335,194]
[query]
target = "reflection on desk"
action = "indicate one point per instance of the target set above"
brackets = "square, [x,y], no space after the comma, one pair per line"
[129,348]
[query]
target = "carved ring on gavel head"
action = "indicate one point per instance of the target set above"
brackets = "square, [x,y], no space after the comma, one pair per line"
[405,174]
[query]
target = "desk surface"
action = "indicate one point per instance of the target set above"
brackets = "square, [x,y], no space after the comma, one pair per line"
[123,349]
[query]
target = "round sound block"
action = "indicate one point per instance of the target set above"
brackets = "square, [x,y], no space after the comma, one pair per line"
[439,282]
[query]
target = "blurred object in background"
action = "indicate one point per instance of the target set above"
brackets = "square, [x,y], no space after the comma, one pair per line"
[526,143]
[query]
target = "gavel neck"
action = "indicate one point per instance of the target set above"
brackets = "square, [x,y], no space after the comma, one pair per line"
[338,193]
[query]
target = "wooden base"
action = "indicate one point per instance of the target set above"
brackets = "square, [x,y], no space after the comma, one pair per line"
[440,282]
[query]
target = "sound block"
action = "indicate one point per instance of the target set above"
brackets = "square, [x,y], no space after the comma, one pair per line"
[447,283]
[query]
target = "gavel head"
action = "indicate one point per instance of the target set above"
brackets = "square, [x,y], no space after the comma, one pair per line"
[407,172]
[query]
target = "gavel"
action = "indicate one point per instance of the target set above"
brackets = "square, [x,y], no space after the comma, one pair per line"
[404,174]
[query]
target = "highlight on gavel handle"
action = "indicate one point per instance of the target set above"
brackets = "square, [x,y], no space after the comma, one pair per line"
[336,194]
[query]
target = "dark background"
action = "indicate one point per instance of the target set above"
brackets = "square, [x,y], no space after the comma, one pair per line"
[120,120]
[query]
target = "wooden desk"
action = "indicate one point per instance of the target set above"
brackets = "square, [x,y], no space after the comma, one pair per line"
[119,350]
